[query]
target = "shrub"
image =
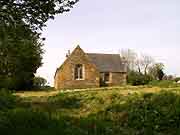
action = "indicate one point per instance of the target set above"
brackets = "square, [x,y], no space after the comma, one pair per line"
[136,78]
[163,83]
[156,113]
[64,101]
[146,114]
[35,122]
[96,113]
[7,82]
[177,79]
[39,82]
[7,100]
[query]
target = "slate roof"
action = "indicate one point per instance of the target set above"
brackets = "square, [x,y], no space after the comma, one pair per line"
[108,62]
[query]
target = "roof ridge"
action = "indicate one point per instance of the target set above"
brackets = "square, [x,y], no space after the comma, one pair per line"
[105,53]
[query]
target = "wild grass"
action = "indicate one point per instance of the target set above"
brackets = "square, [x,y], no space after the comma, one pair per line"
[142,110]
[164,84]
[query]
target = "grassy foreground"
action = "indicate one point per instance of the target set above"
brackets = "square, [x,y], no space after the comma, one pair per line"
[114,111]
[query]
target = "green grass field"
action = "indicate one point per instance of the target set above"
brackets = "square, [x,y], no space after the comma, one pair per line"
[128,110]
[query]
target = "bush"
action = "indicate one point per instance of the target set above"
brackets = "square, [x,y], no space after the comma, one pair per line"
[35,122]
[7,100]
[7,82]
[39,82]
[177,79]
[64,101]
[95,113]
[147,114]
[136,78]
[158,113]
[163,83]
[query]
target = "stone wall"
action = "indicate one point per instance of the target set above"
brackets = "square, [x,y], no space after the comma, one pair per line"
[115,79]
[64,78]
[119,79]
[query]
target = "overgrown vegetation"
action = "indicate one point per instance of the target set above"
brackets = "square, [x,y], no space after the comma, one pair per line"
[136,78]
[7,100]
[141,69]
[177,79]
[164,83]
[20,56]
[123,110]
[21,22]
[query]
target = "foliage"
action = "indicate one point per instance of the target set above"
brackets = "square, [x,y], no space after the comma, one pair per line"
[169,77]
[164,83]
[34,13]
[65,101]
[7,100]
[20,56]
[20,43]
[177,79]
[156,71]
[136,78]
[28,121]
[155,114]
[39,82]
[136,62]
[141,68]
[160,74]
[101,112]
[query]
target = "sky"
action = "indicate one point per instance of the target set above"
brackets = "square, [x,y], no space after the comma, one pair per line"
[150,27]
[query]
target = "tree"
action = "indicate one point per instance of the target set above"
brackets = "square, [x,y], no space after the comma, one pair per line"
[137,78]
[20,56]
[33,13]
[160,74]
[130,57]
[156,71]
[39,82]
[146,61]
[138,63]
[20,42]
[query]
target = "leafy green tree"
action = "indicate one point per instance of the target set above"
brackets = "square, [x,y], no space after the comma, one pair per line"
[137,78]
[39,82]
[20,44]
[32,12]
[20,56]
[160,74]
[156,71]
